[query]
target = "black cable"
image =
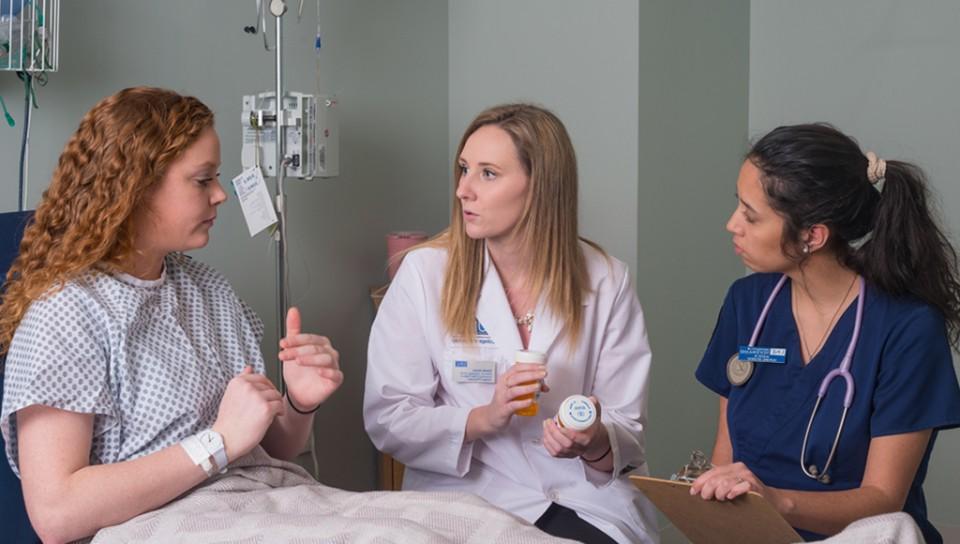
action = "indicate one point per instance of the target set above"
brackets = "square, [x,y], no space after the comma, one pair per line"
[23,144]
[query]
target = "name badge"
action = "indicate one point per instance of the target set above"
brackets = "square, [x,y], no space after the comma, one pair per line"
[758,354]
[473,371]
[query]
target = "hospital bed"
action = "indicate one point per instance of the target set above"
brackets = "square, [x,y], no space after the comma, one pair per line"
[13,514]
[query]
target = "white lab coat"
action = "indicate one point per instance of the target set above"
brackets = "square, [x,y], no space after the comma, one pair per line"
[415,411]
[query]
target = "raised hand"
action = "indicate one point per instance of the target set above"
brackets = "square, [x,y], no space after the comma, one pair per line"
[311,367]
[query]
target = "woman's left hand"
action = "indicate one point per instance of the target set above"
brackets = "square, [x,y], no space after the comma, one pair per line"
[311,367]
[727,482]
[589,443]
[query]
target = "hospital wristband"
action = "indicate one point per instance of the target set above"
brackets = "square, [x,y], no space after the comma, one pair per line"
[299,411]
[606,453]
[198,454]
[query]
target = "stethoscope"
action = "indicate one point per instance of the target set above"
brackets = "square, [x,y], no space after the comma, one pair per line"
[740,371]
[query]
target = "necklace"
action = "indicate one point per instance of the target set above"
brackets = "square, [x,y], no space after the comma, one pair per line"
[526,320]
[826,333]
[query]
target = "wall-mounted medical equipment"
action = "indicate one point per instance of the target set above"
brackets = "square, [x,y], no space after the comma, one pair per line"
[311,141]
[29,35]
[328,137]
[29,46]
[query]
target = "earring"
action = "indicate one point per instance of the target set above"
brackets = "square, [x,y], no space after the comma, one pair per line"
[806,248]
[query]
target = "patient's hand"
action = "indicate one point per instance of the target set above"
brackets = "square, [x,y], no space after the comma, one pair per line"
[311,367]
[249,405]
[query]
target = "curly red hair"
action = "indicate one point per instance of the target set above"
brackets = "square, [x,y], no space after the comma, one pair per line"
[108,169]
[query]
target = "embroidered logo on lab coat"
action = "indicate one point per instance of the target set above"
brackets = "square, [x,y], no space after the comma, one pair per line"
[483,337]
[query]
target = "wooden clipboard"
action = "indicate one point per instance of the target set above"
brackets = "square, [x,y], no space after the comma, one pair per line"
[748,518]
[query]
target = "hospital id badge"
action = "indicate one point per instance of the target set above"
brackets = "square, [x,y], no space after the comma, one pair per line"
[474,371]
[740,365]
[758,354]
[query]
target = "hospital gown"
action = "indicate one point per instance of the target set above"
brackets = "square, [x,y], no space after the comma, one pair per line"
[149,359]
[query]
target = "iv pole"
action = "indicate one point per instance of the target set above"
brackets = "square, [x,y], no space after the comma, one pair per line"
[278,8]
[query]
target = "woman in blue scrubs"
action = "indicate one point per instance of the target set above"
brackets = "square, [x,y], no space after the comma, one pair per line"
[839,228]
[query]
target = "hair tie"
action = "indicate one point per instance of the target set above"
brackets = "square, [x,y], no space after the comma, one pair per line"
[876,169]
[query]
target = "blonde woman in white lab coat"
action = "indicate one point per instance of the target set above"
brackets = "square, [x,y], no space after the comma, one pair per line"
[511,273]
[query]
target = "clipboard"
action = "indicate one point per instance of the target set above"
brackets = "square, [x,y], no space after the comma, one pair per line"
[748,518]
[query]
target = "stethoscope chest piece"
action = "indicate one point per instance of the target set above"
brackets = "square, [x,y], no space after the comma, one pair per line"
[814,472]
[738,370]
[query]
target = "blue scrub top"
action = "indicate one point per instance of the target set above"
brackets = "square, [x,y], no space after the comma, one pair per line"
[904,381]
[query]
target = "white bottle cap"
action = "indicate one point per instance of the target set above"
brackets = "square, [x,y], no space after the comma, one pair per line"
[525,356]
[577,413]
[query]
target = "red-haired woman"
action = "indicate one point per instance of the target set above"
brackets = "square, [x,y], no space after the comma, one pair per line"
[134,372]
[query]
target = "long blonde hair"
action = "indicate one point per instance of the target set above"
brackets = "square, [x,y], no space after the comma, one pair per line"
[119,153]
[547,227]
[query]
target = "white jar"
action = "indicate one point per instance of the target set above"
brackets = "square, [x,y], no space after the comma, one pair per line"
[576,413]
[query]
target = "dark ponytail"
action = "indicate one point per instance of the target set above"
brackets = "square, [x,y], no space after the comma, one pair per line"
[814,174]
[909,253]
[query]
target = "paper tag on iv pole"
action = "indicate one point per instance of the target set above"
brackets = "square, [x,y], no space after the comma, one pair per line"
[758,354]
[255,201]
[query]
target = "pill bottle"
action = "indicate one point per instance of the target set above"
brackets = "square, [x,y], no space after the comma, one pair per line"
[530,357]
[576,413]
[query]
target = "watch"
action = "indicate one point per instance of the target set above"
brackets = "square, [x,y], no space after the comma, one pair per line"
[206,450]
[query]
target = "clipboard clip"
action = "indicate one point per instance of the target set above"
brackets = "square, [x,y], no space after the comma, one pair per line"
[691,471]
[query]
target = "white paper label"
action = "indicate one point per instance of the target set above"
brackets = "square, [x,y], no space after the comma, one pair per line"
[255,200]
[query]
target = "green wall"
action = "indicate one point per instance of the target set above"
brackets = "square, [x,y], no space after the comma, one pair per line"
[692,134]
[886,73]
[580,60]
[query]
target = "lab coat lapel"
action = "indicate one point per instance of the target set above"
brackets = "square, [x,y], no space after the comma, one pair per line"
[547,326]
[494,314]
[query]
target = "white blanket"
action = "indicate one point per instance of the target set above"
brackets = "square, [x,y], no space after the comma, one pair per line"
[261,499]
[895,528]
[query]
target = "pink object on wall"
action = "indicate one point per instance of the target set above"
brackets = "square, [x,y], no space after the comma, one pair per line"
[396,243]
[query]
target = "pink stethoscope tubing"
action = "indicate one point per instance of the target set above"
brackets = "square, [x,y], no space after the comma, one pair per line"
[842,371]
